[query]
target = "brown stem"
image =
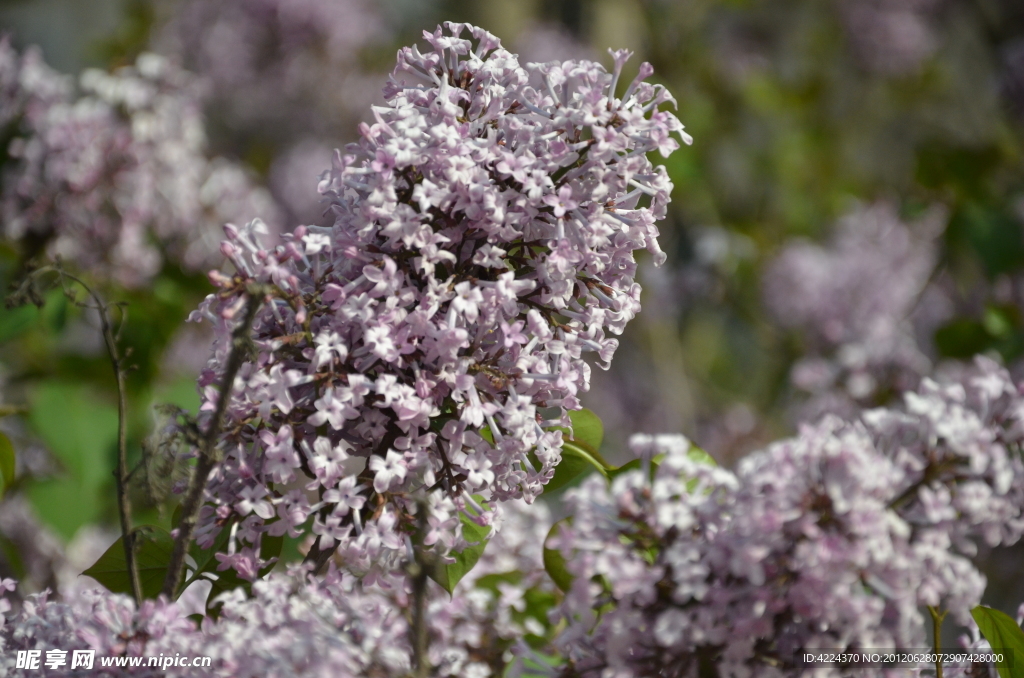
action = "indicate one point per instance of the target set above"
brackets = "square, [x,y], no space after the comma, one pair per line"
[932,472]
[319,557]
[124,506]
[937,618]
[193,500]
[420,570]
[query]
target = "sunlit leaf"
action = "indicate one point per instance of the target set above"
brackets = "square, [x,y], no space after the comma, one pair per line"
[587,428]
[1004,635]
[576,460]
[700,456]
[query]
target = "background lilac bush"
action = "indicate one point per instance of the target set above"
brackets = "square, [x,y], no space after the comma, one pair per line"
[844,235]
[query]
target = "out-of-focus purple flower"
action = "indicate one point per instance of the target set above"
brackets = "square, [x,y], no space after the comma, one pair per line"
[113,176]
[283,75]
[853,303]
[891,37]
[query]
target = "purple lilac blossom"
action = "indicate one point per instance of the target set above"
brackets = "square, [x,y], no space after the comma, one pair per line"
[483,241]
[891,37]
[299,626]
[853,303]
[274,63]
[113,176]
[835,539]
[284,75]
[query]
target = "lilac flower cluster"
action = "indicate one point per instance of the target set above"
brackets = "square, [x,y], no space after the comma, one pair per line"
[282,74]
[834,539]
[483,243]
[295,625]
[100,175]
[268,60]
[854,303]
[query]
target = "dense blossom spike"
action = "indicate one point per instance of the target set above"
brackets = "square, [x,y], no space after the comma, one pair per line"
[483,243]
[835,539]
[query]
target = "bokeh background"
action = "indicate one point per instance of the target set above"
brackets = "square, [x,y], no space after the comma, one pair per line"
[848,221]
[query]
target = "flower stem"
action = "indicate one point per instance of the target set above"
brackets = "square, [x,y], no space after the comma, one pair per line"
[937,618]
[193,500]
[124,506]
[420,571]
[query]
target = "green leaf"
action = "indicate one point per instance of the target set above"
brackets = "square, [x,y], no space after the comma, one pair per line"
[587,433]
[493,582]
[633,465]
[65,504]
[539,604]
[536,665]
[1004,635]
[587,428]
[270,547]
[17,321]
[700,456]
[79,428]
[181,392]
[448,575]
[81,432]
[206,559]
[576,460]
[554,561]
[992,231]
[962,338]
[579,450]
[153,547]
[7,463]
[694,453]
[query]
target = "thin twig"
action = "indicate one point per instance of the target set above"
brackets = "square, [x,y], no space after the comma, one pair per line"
[8,410]
[193,500]
[124,506]
[937,618]
[419,570]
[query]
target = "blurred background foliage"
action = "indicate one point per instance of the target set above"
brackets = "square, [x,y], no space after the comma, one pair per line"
[802,111]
